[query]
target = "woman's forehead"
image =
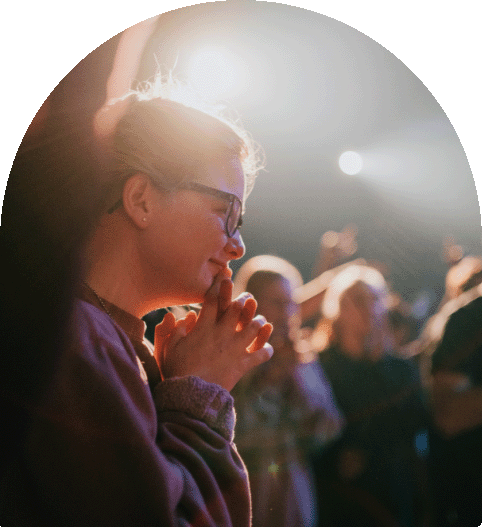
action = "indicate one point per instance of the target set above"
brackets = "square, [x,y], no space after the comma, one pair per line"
[224,174]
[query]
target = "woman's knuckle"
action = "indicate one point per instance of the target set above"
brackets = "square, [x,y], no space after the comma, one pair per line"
[237,304]
[259,321]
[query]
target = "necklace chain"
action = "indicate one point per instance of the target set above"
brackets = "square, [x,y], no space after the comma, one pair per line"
[101,302]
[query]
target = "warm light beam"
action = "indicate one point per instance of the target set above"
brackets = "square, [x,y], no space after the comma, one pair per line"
[213,73]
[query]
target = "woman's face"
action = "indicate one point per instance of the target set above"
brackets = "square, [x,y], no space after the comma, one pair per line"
[187,246]
[361,315]
[276,304]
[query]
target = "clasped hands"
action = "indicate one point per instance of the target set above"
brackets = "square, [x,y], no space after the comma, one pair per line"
[221,344]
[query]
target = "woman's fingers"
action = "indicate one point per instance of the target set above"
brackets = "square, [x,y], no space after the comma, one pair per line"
[161,333]
[210,308]
[166,326]
[190,321]
[247,313]
[234,314]
[261,338]
[224,297]
[169,332]
[262,354]
[255,334]
[221,344]
[255,358]
[168,355]
[183,327]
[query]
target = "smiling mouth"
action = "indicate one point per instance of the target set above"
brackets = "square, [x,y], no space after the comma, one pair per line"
[223,267]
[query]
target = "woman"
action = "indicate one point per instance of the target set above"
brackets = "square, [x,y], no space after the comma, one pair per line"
[124,436]
[371,475]
[285,407]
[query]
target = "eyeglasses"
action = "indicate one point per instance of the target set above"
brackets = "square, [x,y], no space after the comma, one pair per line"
[234,213]
[234,218]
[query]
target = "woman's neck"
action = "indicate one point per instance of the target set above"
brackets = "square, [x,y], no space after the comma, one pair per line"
[111,271]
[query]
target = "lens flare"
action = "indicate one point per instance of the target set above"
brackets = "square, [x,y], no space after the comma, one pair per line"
[213,72]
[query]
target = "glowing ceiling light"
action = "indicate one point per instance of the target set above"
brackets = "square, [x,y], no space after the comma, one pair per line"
[350,162]
[213,72]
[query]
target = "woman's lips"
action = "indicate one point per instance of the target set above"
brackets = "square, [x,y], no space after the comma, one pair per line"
[223,267]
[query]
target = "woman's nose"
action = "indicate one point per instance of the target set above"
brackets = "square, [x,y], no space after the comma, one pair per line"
[235,246]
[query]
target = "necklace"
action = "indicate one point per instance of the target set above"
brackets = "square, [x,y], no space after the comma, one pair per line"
[101,302]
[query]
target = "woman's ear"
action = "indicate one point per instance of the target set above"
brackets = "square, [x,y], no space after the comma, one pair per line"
[138,199]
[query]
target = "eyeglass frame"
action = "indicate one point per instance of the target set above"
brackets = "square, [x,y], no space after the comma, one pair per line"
[199,187]
[231,198]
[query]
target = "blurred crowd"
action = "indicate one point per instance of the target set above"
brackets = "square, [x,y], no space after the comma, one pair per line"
[364,416]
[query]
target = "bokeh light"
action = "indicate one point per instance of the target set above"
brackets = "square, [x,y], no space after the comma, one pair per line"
[350,162]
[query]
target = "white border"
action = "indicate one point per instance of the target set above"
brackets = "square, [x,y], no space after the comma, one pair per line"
[42,41]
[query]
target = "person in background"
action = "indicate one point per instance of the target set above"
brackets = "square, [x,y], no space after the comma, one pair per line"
[369,476]
[447,352]
[285,408]
[402,325]
[462,276]
[462,283]
[124,434]
[456,397]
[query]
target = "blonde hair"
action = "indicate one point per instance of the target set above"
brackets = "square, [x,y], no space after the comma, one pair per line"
[327,331]
[346,279]
[166,131]
[268,264]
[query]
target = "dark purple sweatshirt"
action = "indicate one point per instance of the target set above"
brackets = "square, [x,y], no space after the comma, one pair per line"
[106,448]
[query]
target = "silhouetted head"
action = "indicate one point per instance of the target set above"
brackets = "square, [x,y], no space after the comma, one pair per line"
[356,305]
[272,280]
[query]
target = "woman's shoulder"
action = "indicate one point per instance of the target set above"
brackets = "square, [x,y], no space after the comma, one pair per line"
[97,333]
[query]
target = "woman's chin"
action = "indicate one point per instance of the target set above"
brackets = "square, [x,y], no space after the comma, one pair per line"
[193,293]
[196,294]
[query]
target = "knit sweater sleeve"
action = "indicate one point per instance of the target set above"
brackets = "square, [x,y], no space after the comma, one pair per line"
[198,399]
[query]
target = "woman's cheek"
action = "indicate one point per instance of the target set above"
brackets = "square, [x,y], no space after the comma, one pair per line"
[220,220]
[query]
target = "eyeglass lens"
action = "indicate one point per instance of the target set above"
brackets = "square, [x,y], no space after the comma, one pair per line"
[234,215]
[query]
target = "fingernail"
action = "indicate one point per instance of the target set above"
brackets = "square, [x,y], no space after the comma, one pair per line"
[262,319]
[245,296]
